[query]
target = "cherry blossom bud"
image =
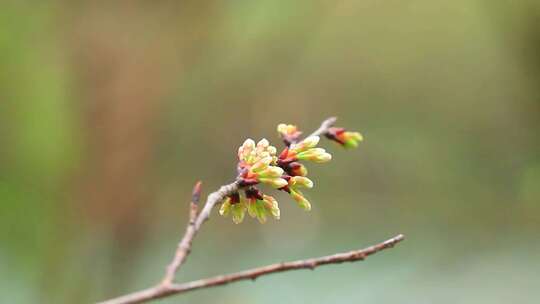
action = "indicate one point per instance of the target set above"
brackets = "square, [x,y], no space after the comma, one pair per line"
[238,212]
[272,205]
[274,182]
[261,164]
[300,181]
[344,138]
[289,133]
[294,183]
[296,169]
[270,171]
[225,208]
[318,155]
[245,149]
[301,200]
[304,150]
[234,205]
[260,205]
[305,144]
[271,150]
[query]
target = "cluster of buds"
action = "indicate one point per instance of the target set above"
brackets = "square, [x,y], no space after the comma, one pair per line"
[259,164]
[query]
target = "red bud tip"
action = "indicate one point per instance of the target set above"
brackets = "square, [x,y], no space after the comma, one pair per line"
[196,194]
[235,198]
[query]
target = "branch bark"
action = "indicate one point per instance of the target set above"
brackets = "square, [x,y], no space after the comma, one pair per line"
[194,224]
[184,247]
[162,291]
[325,125]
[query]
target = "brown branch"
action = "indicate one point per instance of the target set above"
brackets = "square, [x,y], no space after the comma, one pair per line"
[162,291]
[195,223]
[322,130]
[184,247]
[166,287]
[213,199]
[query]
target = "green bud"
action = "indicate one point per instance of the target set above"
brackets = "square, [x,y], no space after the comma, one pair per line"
[238,211]
[260,209]
[300,199]
[302,181]
[318,155]
[275,182]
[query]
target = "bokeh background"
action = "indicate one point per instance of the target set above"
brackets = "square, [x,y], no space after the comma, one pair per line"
[111,110]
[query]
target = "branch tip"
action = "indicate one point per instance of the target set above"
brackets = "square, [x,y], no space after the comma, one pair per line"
[325,125]
[196,194]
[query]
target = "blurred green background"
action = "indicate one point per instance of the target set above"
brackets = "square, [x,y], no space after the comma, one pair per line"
[111,110]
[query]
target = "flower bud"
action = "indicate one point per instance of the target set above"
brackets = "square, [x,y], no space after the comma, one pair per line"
[296,169]
[289,133]
[270,172]
[234,205]
[344,138]
[271,150]
[305,144]
[260,205]
[238,212]
[245,149]
[275,182]
[301,181]
[318,155]
[352,139]
[304,150]
[262,164]
[285,129]
[301,200]
[272,205]
[263,144]
[225,208]
[294,182]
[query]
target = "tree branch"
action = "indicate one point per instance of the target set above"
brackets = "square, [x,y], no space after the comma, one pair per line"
[194,224]
[184,247]
[322,130]
[167,286]
[162,291]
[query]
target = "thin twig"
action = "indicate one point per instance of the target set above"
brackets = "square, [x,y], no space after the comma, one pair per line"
[184,247]
[213,199]
[325,125]
[161,291]
[322,130]
[195,223]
